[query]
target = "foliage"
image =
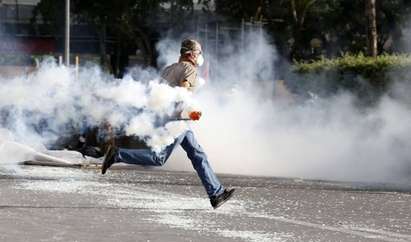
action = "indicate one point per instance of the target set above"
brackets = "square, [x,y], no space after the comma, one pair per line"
[339,25]
[50,13]
[301,29]
[367,77]
[359,64]
[128,22]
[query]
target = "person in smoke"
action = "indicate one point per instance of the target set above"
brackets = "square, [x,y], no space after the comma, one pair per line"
[182,74]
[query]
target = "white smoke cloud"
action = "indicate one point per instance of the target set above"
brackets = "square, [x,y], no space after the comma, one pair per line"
[244,128]
[51,102]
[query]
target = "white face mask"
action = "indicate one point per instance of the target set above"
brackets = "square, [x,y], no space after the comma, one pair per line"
[200,60]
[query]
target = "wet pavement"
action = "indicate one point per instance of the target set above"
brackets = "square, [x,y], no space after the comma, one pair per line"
[68,204]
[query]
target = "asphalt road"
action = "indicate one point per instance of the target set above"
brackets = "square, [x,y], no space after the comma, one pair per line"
[67,204]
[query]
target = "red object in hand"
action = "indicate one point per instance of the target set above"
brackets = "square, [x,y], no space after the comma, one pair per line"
[195,115]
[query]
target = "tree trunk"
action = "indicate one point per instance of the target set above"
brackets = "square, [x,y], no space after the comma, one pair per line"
[371,27]
[102,44]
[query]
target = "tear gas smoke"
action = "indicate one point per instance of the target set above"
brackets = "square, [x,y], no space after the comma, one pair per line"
[52,102]
[247,130]
[244,128]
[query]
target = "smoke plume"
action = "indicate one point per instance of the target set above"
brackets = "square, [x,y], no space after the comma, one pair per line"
[52,102]
[250,125]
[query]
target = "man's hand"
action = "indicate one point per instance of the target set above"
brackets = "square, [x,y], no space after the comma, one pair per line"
[195,115]
[185,84]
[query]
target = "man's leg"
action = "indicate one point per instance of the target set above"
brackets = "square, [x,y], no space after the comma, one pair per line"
[216,192]
[200,163]
[146,157]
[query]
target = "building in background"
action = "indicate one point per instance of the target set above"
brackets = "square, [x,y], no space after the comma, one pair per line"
[18,43]
[25,36]
[16,30]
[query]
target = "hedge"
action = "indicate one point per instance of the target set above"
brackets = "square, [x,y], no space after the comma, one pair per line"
[359,64]
[368,77]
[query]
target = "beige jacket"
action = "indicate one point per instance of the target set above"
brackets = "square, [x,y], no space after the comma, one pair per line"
[176,73]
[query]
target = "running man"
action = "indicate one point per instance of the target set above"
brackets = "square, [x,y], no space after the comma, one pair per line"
[182,74]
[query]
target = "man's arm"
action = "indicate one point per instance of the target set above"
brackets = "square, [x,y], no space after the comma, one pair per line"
[189,76]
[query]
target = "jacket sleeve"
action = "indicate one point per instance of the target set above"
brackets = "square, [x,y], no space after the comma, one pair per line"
[190,74]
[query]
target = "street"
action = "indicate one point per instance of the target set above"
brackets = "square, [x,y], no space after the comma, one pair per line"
[68,204]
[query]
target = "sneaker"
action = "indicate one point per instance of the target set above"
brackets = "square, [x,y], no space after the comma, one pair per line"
[217,201]
[109,158]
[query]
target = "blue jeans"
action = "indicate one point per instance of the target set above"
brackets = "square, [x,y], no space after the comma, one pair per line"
[195,153]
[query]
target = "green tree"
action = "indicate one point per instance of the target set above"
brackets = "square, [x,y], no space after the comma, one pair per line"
[48,11]
[119,18]
[299,10]
[341,26]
